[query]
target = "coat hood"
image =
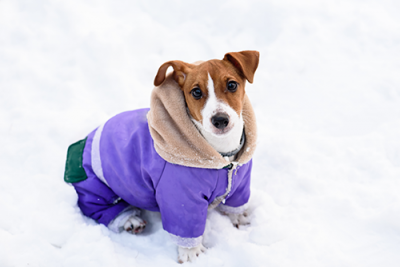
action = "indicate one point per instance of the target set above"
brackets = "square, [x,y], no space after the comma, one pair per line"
[176,138]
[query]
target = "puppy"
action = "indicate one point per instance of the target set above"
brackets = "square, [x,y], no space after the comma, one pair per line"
[190,152]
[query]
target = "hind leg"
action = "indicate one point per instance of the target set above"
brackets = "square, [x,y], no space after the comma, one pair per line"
[97,201]
[128,220]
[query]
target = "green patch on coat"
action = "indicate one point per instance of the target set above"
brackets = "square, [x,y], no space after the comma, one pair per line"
[74,171]
[229,166]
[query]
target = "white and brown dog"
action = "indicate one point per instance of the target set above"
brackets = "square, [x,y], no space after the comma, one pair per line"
[200,124]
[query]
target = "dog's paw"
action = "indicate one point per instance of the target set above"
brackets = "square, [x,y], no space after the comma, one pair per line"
[135,225]
[189,254]
[239,219]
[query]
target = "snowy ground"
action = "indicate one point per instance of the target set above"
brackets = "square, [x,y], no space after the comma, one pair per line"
[326,178]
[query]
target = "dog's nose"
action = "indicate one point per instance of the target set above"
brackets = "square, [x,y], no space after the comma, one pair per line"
[220,120]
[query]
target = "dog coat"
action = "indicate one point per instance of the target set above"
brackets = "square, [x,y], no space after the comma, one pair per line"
[155,159]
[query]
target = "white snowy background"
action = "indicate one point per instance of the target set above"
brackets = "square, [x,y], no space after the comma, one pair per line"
[326,179]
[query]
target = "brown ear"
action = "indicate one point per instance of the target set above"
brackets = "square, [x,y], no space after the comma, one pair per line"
[181,70]
[245,61]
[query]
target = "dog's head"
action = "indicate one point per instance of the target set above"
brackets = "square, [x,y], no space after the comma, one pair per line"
[214,90]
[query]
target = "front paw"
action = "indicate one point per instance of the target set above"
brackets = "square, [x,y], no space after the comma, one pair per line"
[239,219]
[135,225]
[189,254]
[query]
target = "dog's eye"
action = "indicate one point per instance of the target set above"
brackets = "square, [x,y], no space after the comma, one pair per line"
[196,93]
[232,86]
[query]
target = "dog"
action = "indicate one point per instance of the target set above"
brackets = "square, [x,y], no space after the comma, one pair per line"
[190,152]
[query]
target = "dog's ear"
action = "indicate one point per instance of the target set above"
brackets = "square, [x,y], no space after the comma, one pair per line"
[181,70]
[245,61]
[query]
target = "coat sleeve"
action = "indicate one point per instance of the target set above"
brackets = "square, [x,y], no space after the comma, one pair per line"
[237,200]
[182,196]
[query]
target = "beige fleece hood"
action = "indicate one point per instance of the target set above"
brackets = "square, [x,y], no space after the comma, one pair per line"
[176,138]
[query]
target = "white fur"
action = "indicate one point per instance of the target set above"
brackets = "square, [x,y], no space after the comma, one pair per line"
[189,254]
[227,139]
[117,225]
[134,225]
[234,210]
[239,219]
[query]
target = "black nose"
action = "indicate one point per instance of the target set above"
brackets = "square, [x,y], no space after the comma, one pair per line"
[220,120]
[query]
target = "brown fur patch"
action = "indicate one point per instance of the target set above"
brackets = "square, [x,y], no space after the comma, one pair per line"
[236,66]
[221,72]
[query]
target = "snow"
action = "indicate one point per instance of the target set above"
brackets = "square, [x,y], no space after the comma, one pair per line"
[325,184]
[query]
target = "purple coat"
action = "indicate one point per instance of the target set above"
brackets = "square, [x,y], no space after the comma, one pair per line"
[124,169]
